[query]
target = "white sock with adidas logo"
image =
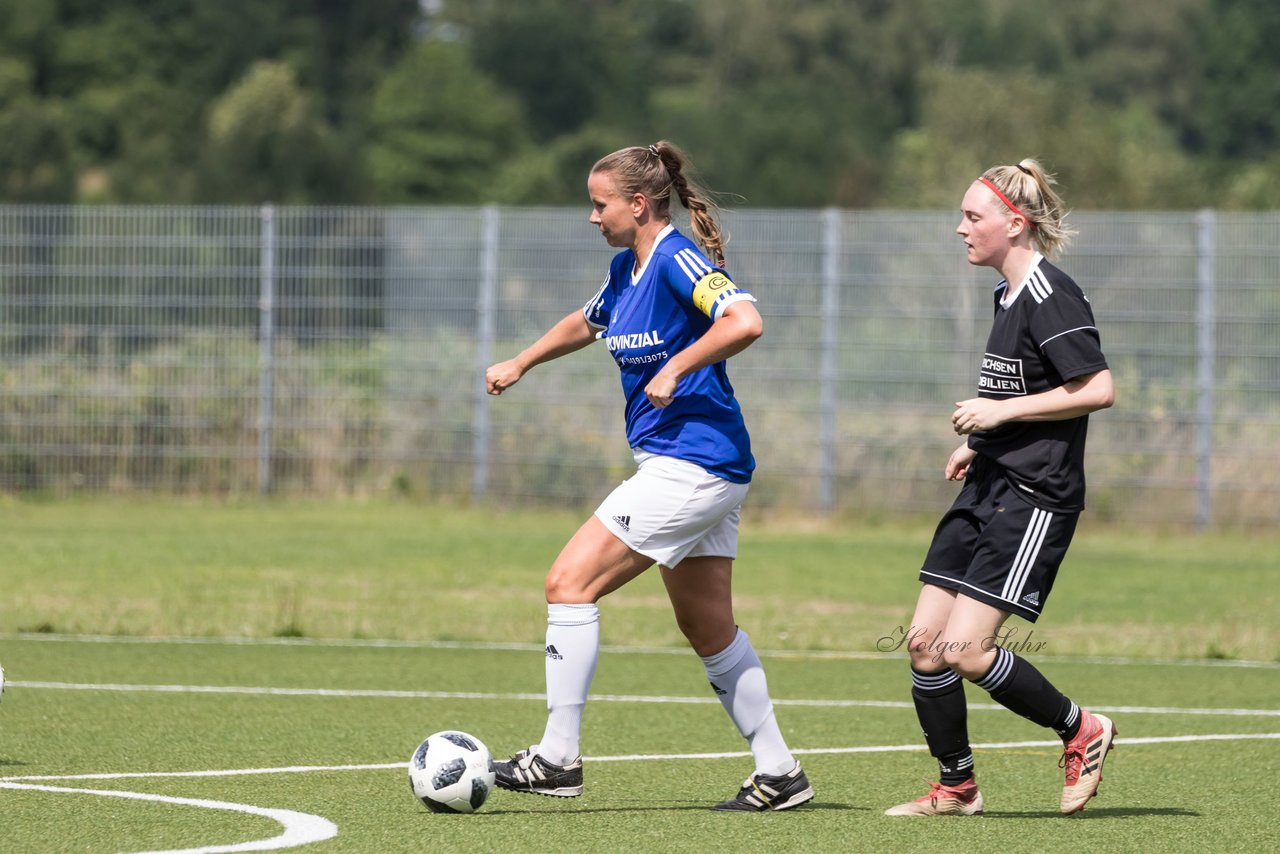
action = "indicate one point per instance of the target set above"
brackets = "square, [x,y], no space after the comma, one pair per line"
[737,676]
[573,648]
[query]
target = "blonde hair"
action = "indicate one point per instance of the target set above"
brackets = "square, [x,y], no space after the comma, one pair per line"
[655,171]
[1030,188]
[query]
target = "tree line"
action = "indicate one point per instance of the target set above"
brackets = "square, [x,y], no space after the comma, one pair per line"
[1146,104]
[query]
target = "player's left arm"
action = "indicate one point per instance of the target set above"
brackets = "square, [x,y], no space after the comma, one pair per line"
[737,327]
[1076,397]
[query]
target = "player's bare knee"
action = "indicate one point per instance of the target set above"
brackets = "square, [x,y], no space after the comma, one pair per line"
[924,661]
[564,588]
[923,647]
[698,639]
[968,659]
[707,637]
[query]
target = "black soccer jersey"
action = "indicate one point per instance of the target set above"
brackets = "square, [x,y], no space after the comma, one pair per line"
[1041,339]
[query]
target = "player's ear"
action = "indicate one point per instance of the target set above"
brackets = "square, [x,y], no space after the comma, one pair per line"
[639,204]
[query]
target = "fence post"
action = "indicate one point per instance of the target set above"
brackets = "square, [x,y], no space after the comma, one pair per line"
[266,342]
[1205,321]
[827,370]
[486,305]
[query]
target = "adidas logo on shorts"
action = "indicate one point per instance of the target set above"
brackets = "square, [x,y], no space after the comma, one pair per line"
[624,522]
[1032,598]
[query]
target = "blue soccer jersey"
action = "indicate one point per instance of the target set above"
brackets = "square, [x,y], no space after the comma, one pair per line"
[645,319]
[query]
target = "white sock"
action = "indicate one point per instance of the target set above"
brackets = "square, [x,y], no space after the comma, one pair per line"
[736,675]
[573,648]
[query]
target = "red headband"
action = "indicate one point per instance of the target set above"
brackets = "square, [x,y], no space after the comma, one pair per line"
[1010,205]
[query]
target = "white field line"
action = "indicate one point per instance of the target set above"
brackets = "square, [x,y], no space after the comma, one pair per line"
[840,655]
[300,828]
[604,698]
[303,828]
[637,757]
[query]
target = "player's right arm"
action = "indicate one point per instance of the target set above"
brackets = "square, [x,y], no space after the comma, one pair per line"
[959,461]
[572,333]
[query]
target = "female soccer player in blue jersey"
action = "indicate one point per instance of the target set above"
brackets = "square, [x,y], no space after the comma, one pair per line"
[998,548]
[669,316]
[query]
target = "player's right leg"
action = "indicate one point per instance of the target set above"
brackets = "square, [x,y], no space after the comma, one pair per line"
[938,694]
[592,564]
[1082,758]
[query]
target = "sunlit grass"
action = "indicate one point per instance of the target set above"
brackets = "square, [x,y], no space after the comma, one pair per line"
[400,569]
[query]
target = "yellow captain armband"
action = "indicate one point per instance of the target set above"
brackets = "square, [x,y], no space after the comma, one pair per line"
[711,289]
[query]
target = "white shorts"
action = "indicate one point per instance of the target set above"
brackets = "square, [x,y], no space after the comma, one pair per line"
[671,509]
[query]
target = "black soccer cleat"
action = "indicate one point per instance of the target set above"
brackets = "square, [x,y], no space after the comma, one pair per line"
[761,792]
[529,773]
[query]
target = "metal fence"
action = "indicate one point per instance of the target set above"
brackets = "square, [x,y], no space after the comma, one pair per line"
[341,350]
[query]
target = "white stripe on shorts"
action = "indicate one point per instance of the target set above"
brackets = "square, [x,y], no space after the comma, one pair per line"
[1032,540]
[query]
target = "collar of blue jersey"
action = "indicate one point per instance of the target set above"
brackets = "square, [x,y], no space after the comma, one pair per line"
[636,274]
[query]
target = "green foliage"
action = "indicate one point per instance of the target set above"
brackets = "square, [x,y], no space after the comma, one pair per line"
[554,173]
[266,140]
[1237,112]
[575,63]
[440,127]
[1107,157]
[1255,187]
[33,159]
[547,53]
[1145,104]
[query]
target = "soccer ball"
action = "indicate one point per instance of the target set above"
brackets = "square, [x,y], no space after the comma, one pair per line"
[451,771]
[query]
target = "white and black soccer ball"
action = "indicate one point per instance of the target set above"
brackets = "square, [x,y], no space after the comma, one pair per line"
[451,771]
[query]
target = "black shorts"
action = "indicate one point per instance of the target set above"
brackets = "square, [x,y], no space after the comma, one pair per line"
[993,546]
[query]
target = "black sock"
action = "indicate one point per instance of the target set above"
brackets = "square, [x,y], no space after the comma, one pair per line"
[1015,684]
[944,717]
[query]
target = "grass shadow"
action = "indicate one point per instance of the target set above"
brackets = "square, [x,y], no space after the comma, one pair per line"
[1100,812]
[809,807]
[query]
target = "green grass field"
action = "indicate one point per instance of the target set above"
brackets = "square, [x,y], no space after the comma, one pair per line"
[246,676]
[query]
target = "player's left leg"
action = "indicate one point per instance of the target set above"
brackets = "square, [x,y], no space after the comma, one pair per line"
[1016,684]
[700,589]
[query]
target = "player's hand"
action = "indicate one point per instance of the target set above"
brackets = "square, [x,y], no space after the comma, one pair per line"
[661,390]
[975,415]
[959,461]
[502,376]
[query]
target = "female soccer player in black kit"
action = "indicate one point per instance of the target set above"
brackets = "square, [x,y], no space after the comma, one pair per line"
[998,548]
